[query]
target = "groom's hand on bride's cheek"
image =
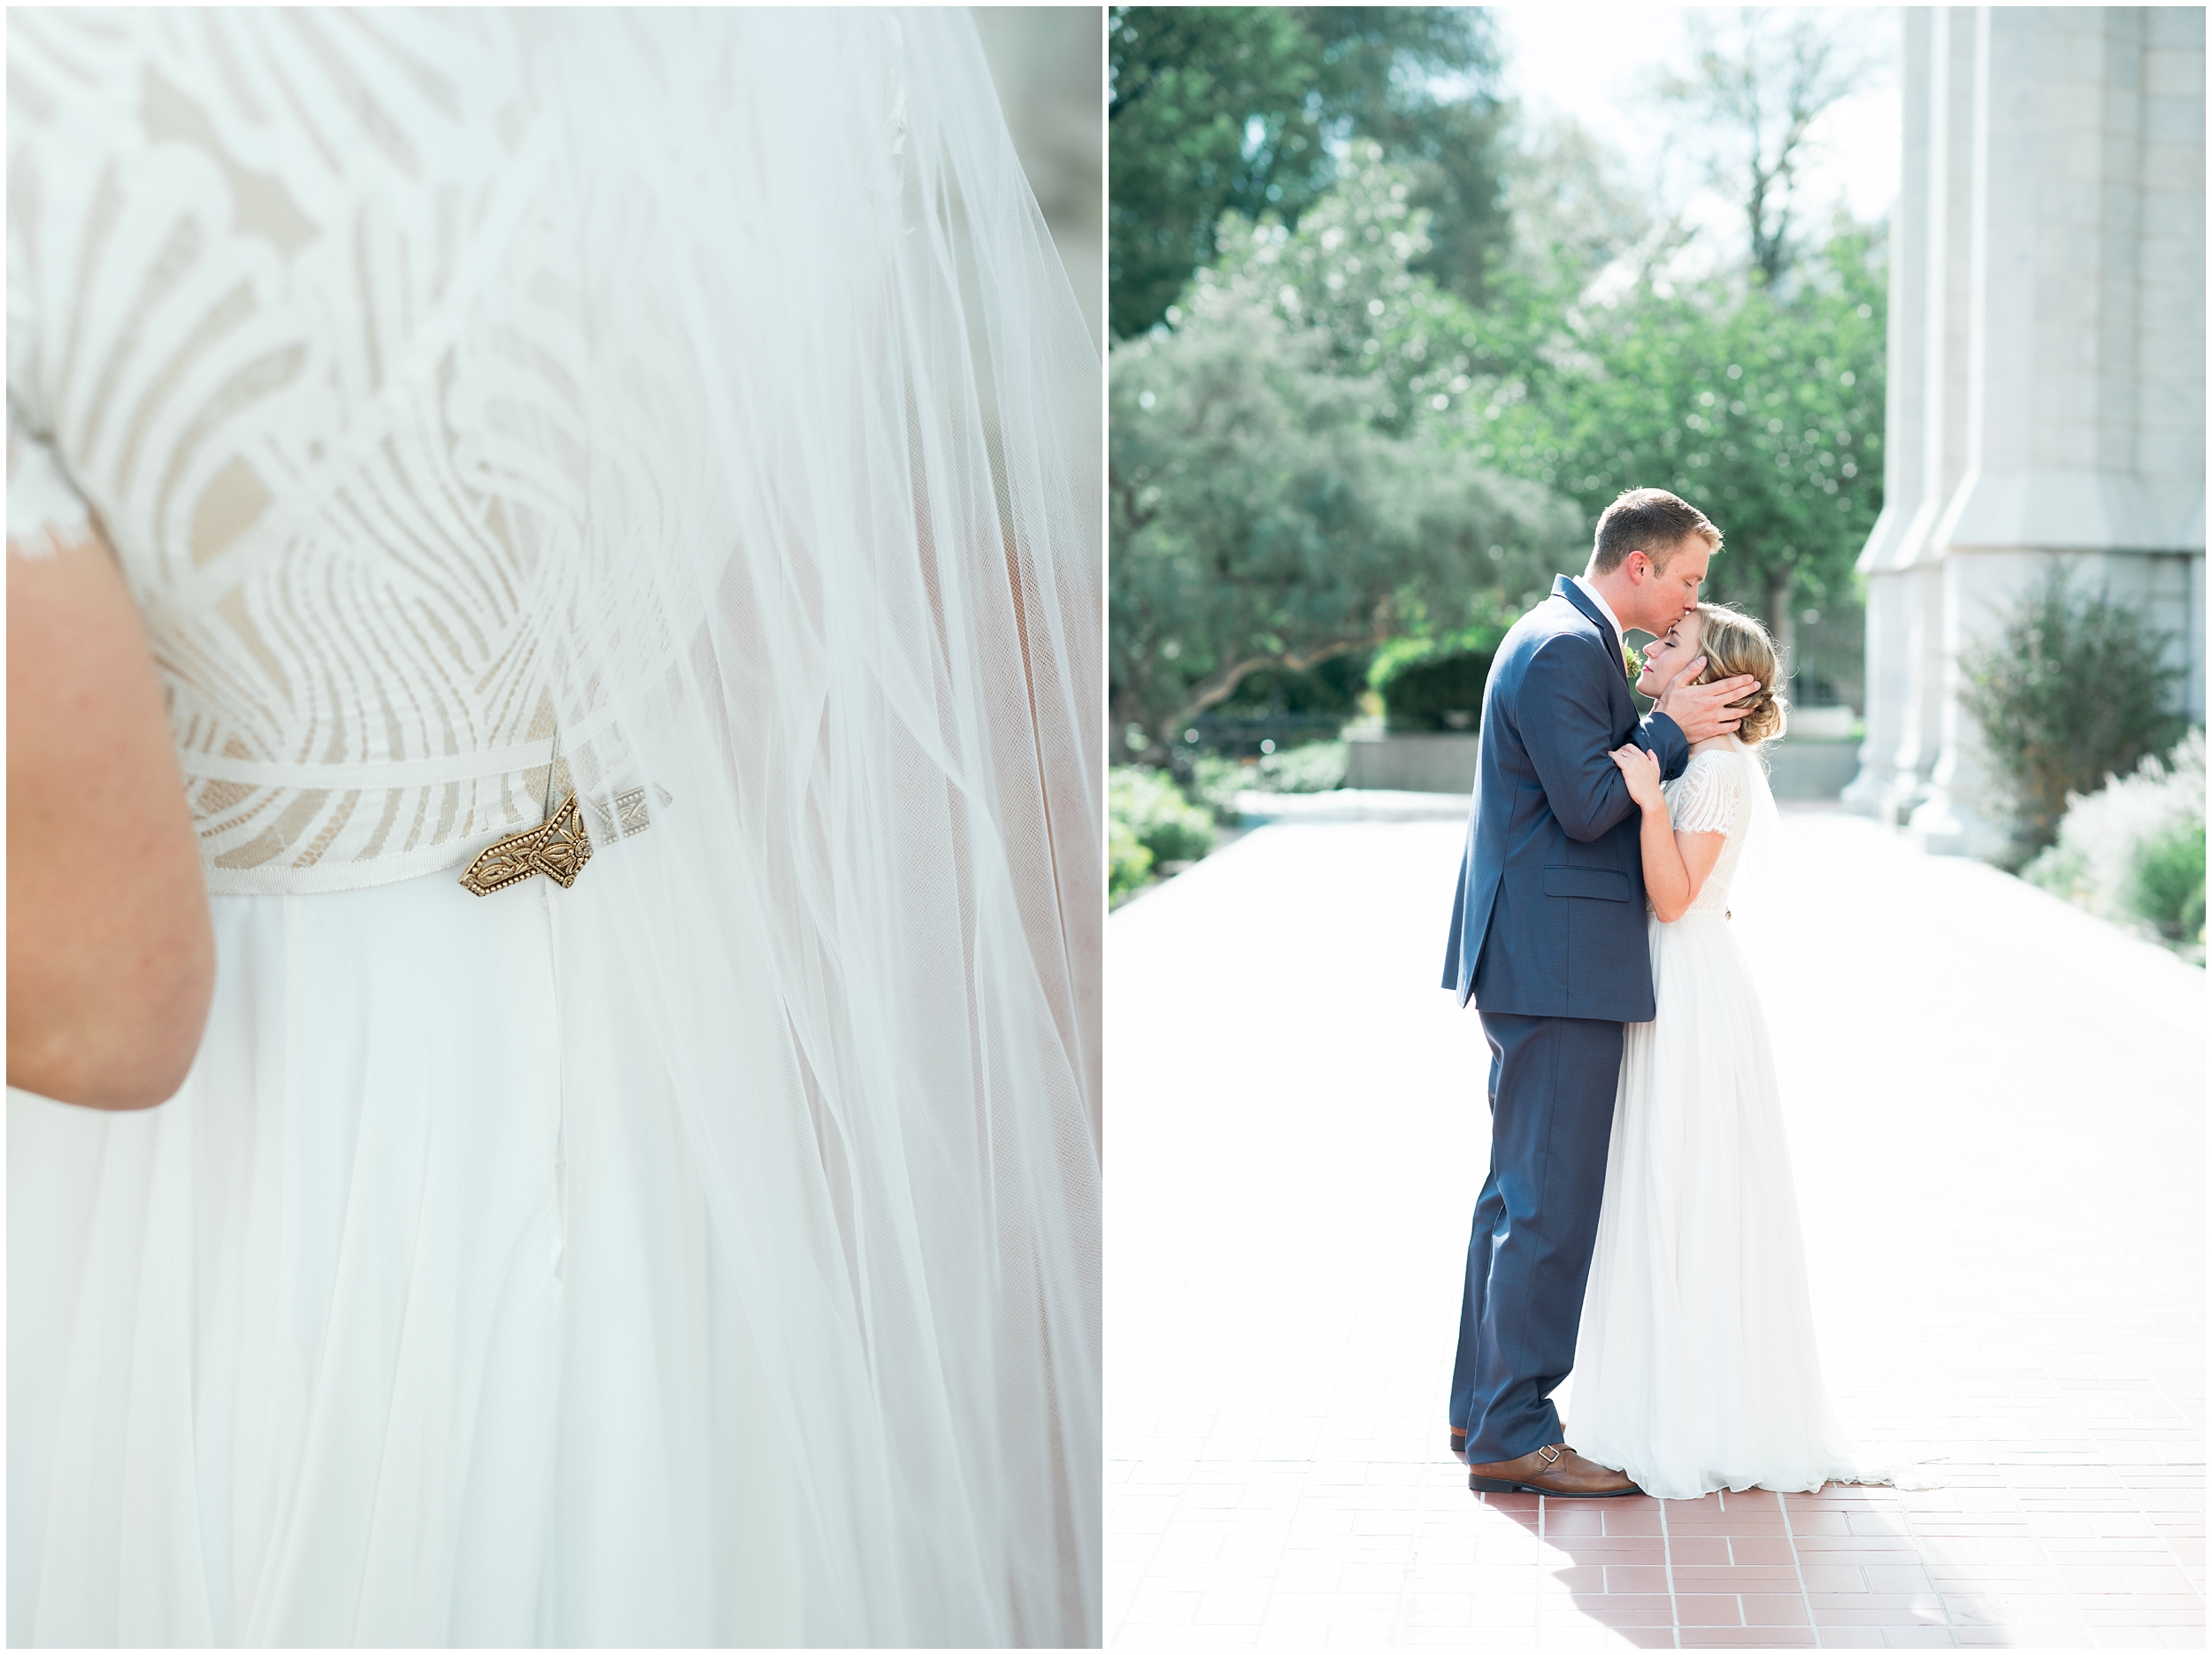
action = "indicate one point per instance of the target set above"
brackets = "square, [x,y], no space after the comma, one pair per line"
[1678,686]
[1701,710]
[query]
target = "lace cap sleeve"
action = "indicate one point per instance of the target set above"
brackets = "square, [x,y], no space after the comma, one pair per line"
[45,511]
[1710,797]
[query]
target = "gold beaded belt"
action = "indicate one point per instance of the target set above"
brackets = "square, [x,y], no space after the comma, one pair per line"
[558,847]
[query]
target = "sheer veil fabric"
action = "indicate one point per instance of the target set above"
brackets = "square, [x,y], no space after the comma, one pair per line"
[685,410]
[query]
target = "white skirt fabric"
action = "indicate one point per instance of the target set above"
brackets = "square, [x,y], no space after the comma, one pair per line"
[1696,1366]
[400,1323]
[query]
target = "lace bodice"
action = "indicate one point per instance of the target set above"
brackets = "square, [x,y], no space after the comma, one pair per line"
[301,302]
[1710,797]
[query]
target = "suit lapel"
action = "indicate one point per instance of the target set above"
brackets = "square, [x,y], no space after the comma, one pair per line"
[1602,631]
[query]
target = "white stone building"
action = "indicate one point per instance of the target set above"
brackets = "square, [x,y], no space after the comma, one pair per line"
[2047,355]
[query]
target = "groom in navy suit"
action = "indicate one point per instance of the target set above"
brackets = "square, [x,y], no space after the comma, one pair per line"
[1548,941]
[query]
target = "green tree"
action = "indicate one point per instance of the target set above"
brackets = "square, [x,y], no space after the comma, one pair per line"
[1288,477]
[1762,410]
[1753,100]
[1218,110]
[1350,279]
[1570,211]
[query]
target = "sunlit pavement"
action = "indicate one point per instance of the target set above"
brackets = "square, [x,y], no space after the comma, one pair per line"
[1995,1106]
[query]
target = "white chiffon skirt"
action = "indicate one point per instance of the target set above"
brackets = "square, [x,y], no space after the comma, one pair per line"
[400,1324]
[1696,1366]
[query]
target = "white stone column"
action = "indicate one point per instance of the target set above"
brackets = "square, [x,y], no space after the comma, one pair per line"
[1916,755]
[1888,688]
[1889,685]
[2084,406]
[2170,344]
[1946,320]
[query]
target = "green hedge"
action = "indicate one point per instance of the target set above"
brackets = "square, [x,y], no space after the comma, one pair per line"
[1423,679]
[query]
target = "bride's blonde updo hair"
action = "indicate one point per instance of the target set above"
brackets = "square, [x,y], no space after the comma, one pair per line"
[1736,646]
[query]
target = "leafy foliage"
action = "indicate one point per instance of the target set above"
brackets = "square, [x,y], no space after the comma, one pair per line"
[2133,851]
[1765,413]
[1380,411]
[1286,484]
[1128,863]
[1157,815]
[1346,280]
[1434,683]
[2169,889]
[1316,768]
[1231,110]
[1332,689]
[2069,690]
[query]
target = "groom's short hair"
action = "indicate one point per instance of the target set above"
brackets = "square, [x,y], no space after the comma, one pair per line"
[1651,521]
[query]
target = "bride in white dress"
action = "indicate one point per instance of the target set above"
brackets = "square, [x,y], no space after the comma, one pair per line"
[673,431]
[1696,1366]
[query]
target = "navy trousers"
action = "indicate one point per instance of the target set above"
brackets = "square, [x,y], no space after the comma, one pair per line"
[1552,1083]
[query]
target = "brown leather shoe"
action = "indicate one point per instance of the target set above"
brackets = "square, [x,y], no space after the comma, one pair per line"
[1459,1442]
[1557,1470]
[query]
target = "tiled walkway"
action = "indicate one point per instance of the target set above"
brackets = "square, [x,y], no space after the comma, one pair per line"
[1995,1109]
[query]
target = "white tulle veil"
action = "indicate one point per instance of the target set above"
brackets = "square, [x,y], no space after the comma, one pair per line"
[807,486]
[1757,888]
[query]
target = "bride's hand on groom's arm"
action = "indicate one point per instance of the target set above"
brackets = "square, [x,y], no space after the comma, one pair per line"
[1641,771]
[1701,710]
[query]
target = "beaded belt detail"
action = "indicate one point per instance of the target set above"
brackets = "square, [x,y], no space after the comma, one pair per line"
[559,847]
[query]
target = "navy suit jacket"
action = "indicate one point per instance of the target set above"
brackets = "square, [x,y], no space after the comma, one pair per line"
[1549,912]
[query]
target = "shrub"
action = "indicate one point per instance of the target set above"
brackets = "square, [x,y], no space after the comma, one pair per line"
[2133,851]
[1128,864]
[2072,690]
[1217,778]
[1316,768]
[1152,809]
[2168,890]
[1423,679]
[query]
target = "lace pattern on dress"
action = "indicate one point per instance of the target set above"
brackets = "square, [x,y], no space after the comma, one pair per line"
[1709,798]
[248,329]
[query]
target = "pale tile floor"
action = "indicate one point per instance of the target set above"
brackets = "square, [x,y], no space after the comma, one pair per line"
[1996,1114]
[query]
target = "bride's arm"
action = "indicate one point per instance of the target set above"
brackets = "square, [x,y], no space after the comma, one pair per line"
[110,955]
[1676,865]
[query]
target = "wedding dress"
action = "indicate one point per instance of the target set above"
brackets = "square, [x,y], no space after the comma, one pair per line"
[673,430]
[1696,1365]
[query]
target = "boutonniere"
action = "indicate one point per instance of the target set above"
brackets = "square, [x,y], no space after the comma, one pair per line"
[1633,662]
